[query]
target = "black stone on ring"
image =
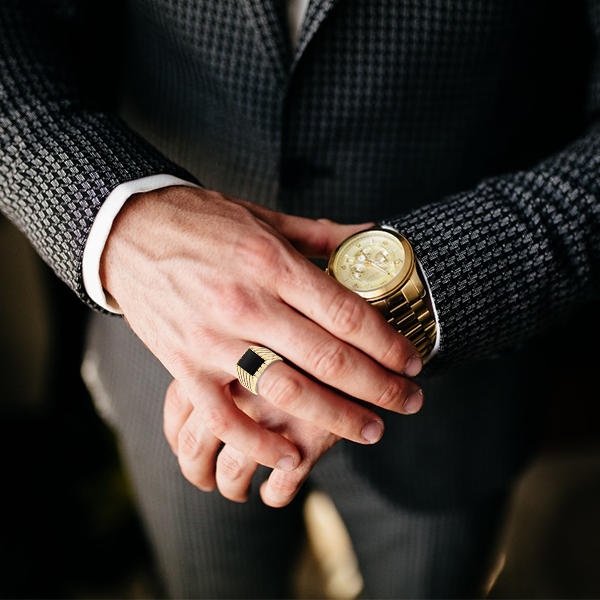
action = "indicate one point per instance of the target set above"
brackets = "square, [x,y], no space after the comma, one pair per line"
[251,362]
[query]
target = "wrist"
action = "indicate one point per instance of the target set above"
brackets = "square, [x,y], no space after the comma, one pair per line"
[128,225]
[102,226]
[380,265]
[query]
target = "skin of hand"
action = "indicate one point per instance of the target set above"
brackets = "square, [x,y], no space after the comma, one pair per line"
[200,276]
[230,470]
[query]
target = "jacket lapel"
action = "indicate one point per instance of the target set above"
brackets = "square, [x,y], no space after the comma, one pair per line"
[315,15]
[270,19]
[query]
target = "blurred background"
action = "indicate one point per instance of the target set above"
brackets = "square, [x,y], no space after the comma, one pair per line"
[68,524]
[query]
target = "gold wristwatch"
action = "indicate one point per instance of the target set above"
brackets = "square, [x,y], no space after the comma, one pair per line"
[379,265]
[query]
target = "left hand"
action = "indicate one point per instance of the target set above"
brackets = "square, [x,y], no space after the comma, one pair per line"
[233,470]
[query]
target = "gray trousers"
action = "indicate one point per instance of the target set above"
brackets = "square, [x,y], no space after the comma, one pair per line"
[209,547]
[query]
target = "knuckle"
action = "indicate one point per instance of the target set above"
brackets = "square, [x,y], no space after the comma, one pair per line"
[239,303]
[345,314]
[287,272]
[392,394]
[217,421]
[282,390]
[188,442]
[284,484]
[201,335]
[395,354]
[342,420]
[256,450]
[231,467]
[262,252]
[179,362]
[330,360]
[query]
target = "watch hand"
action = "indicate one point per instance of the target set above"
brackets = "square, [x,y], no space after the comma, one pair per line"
[377,267]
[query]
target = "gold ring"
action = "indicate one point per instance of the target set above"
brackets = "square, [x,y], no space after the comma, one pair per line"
[253,364]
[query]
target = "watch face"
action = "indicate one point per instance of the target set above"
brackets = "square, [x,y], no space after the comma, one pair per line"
[370,260]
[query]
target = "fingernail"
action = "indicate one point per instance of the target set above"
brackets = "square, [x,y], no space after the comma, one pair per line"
[413,366]
[287,463]
[372,431]
[414,402]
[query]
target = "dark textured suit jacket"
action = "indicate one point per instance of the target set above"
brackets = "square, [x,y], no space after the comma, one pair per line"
[469,125]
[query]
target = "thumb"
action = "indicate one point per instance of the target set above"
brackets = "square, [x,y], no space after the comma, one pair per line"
[320,237]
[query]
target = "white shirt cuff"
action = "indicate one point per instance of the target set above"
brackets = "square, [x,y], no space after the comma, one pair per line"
[101,229]
[431,302]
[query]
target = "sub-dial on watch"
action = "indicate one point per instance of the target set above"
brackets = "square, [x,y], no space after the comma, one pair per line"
[379,265]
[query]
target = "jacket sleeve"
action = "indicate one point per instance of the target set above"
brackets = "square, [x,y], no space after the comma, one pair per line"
[63,148]
[510,257]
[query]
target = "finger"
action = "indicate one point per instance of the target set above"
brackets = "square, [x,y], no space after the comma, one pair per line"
[291,391]
[286,388]
[346,315]
[335,362]
[279,490]
[234,474]
[177,409]
[216,411]
[197,450]
[282,487]
[313,238]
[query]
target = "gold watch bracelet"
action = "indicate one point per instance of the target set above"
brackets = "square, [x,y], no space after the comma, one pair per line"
[406,311]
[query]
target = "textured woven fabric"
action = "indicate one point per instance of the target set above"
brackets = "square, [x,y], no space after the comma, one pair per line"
[467,124]
[209,547]
[382,108]
[62,151]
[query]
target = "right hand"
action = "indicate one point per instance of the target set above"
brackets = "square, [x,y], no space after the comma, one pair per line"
[228,469]
[201,276]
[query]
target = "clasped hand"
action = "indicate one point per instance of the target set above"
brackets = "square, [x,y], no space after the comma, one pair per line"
[200,277]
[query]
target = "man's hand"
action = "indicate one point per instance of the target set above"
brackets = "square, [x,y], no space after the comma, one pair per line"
[232,470]
[201,276]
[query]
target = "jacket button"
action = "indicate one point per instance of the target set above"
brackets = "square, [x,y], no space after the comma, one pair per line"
[299,173]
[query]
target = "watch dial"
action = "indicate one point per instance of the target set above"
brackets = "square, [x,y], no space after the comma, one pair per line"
[369,261]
